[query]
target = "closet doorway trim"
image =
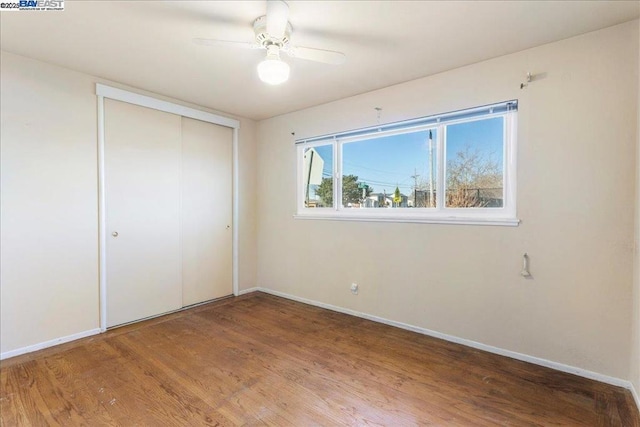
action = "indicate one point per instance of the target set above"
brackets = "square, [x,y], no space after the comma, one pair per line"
[104,91]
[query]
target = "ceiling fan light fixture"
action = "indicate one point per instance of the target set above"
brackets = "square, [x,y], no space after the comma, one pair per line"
[273,33]
[273,70]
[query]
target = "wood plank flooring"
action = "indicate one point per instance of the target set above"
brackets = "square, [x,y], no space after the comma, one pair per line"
[259,359]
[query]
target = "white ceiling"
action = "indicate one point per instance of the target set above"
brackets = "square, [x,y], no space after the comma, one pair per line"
[147,44]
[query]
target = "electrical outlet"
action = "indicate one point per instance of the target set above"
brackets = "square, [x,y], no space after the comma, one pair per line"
[354,288]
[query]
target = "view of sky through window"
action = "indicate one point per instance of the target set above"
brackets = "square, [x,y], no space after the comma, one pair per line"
[376,169]
[474,163]
[486,136]
[389,162]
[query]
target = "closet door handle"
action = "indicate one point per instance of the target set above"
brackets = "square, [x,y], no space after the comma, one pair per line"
[114,234]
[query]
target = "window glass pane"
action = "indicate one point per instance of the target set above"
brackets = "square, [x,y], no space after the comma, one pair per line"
[475,164]
[397,171]
[318,176]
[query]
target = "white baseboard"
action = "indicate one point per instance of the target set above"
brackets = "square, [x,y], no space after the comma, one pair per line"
[248,291]
[73,337]
[491,349]
[46,344]
[636,397]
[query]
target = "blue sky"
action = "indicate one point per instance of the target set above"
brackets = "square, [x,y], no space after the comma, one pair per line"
[386,162]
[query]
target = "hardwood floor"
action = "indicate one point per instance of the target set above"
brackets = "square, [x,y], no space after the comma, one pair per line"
[260,359]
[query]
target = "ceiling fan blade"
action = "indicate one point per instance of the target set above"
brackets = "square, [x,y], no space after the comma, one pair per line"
[277,18]
[229,43]
[317,55]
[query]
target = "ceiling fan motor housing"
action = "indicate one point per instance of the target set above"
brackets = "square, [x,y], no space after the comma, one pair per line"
[264,39]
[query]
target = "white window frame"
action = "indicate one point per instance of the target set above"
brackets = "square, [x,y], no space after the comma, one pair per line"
[503,216]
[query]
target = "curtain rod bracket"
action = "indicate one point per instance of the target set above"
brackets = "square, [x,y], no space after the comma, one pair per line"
[529,78]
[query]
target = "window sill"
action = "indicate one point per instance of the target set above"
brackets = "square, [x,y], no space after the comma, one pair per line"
[333,216]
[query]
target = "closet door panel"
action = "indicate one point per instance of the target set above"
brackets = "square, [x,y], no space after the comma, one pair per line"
[206,211]
[142,184]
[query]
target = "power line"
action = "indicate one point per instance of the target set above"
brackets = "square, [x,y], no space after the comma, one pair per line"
[371,169]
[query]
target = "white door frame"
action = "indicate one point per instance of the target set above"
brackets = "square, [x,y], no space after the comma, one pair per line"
[104,91]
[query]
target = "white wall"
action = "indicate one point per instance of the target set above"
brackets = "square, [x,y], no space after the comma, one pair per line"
[576,165]
[635,336]
[49,214]
[49,204]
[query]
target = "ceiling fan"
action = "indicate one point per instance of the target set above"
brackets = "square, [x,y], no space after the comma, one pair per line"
[273,33]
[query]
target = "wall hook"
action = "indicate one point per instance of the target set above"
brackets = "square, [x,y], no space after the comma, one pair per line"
[525,266]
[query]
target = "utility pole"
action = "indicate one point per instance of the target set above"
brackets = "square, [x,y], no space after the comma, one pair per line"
[415,187]
[431,201]
[309,176]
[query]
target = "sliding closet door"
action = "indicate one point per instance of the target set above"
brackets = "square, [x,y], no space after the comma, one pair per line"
[206,211]
[142,184]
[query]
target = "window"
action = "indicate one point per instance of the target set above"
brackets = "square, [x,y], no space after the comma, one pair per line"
[450,168]
[318,176]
